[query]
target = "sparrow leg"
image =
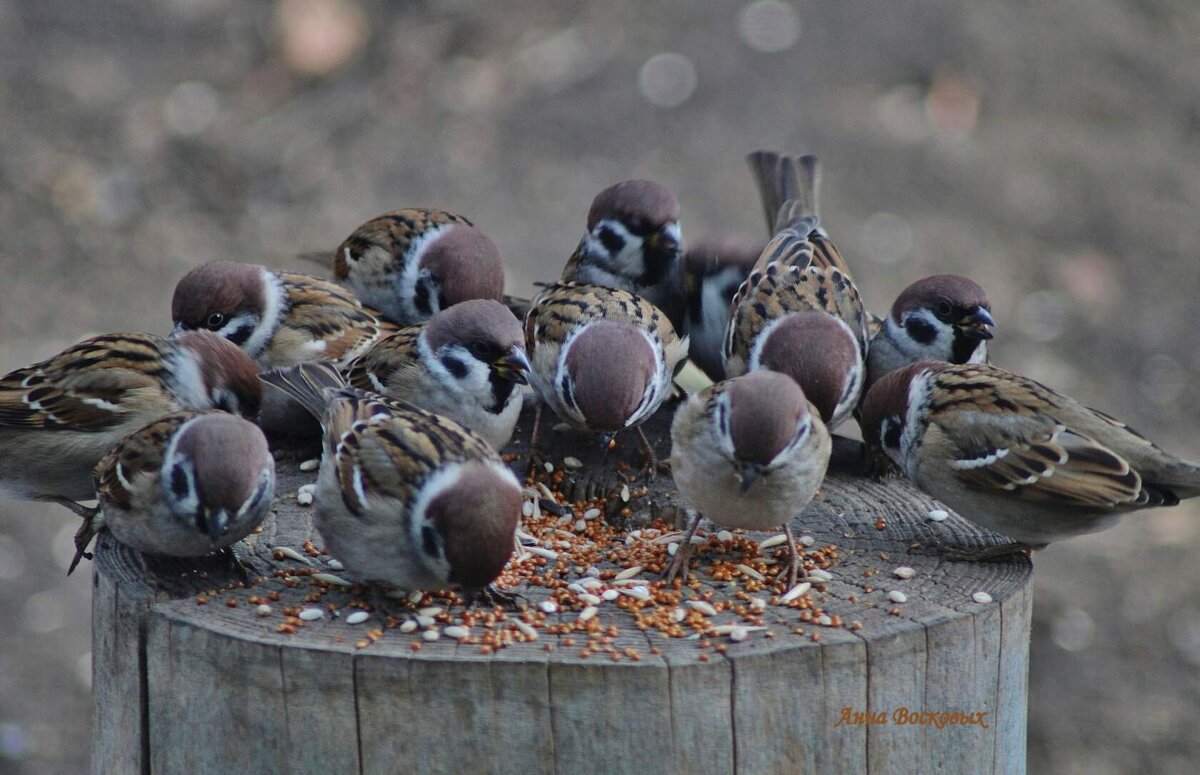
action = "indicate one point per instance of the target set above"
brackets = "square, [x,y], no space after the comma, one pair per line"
[795,565]
[997,552]
[494,596]
[680,560]
[651,458]
[93,520]
[537,428]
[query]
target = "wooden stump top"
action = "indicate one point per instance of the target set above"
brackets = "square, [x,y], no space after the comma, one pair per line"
[939,650]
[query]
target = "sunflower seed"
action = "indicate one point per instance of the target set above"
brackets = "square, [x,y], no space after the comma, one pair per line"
[640,592]
[457,631]
[757,603]
[432,610]
[724,536]
[739,635]
[589,599]
[610,595]
[591,513]
[527,509]
[263,610]
[546,553]
[629,572]
[549,606]
[576,587]
[527,629]
[625,493]
[304,496]
[572,463]
[329,578]
[819,576]
[580,526]
[896,596]
[292,554]
[431,635]
[806,541]
[824,620]
[678,614]
[983,598]
[904,572]
[748,571]
[408,625]
[335,564]
[587,613]
[426,621]
[795,592]
[591,583]
[773,541]
[672,548]
[358,617]
[311,614]
[703,606]
[548,466]
[415,596]
[310,465]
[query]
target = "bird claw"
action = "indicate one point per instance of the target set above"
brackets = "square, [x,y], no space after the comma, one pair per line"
[988,553]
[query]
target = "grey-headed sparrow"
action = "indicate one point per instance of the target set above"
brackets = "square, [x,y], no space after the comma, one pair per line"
[940,318]
[411,263]
[1016,457]
[601,358]
[802,319]
[748,453]
[466,363]
[713,269]
[185,485]
[279,318]
[405,496]
[633,243]
[60,416]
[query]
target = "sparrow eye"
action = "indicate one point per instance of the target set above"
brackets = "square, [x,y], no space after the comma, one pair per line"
[943,309]
[215,321]
[480,350]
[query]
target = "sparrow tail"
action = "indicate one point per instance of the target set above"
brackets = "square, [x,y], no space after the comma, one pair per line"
[308,383]
[787,185]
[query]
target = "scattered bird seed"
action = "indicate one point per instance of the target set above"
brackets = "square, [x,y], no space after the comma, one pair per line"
[796,592]
[824,620]
[739,634]
[724,536]
[640,592]
[548,466]
[625,493]
[820,575]
[672,548]
[409,625]
[576,587]
[527,509]
[292,554]
[591,513]
[304,496]
[546,553]
[415,596]
[335,564]
[593,571]
[896,596]
[938,515]
[591,583]
[329,578]
[526,629]
[432,610]
[549,606]
[983,598]
[311,614]
[590,599]
[678,614]
[310,465]
[806,541]
[457,631]
[588,613]
[431,635]
[748,571]
[610,595]
[703,606]
[904,572]
[263,610]
[426,621]
[773,541]
[572,463]
[758,604]
[580,525]
[358,617]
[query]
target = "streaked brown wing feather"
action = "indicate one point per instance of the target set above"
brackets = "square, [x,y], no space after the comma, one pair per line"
[137,455]
[394,232]
[325,311]
[390,354]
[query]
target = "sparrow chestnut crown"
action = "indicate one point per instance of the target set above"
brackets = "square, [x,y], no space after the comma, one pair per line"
[765,410]
[609,393]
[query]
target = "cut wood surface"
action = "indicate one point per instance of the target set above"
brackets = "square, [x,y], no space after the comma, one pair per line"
[188,686]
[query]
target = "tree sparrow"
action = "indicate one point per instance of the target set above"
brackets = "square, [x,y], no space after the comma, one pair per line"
[712,272]
[185,485]
[1016,457]
[405,496]
[411,263]
[940,318]
[601,358]
[748,453]
[633,243]
[60,416]
[466,363]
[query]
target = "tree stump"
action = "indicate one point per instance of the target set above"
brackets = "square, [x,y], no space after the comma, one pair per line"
[933,684]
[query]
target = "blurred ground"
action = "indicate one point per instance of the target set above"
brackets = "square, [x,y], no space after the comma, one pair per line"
[1051,150]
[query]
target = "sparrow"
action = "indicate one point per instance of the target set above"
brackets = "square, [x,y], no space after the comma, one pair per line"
[804,319]
[467,363]
[187,484]
[633,243]
[409,264]
[279,318]
[713,269]
[405,496]
[601,358]
[1016,457]
[940,318]
[749,453]
[60,416]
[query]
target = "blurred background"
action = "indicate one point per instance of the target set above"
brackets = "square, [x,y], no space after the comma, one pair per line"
[1050,150]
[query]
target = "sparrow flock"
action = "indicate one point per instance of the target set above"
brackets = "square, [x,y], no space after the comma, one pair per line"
[414,369]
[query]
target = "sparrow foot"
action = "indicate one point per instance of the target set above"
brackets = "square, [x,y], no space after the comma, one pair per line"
[680,561]
[93,521]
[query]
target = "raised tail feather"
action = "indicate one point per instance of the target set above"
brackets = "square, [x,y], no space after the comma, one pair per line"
[787,185]
[308,383]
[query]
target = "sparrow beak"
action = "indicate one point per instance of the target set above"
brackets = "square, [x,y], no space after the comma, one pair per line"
[748,473]
[663,242]
[977,325]
[514,366]
[215,523]
[176,331]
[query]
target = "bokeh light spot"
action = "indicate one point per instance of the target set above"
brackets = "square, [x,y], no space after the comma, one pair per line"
[667,80]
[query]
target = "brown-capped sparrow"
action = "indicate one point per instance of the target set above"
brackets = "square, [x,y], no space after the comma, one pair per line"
[940,318]
[405,496]
[185,485]
[411,263]
[279,318]
[466,363]
[748,453]
[803,319]
[713,269]
[633,242]
[601,358]
[1016,457]
[60,416]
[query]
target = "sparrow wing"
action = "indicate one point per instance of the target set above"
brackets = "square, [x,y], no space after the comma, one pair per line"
[384,241]
[329,316]
[387,360]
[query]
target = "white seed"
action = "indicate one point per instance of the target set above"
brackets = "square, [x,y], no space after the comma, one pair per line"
[329,578]
[824,620]
[773,541]
[591,513]
[415,596]
[640,592]
[588,613]
[748,571]
[432,610]
[335,564]
[263,610]
[590,599]
[457,631]
[896,596]
[703,606]
[672,548]
[292,554]
[546,553]
[572,463]
[820,576]
[591,583]
[938,515]
[426,621]
[564,520]
[527,629]
[983,598]
[739,635]
[408,625]
[576,587]
[580,526]
[548,466]
[527,509]
[562,544]
[724,536]
[625,493]
[758,604]
[678,614]
[593,571]
[549,606]
[806,541]
[904,572]
[667,538]
[311,614]
[304,499]
[545,491]
[698,540]
[310,465]
[795,592]
[358,617]
[629,572]
[431,635]
[610,595]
